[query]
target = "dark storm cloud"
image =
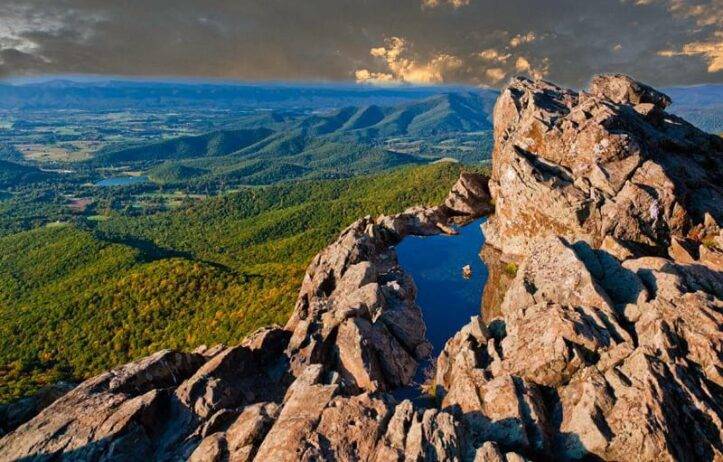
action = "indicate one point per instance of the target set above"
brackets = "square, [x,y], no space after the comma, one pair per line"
[379,41]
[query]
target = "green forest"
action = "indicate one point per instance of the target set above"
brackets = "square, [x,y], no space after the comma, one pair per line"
[76,299]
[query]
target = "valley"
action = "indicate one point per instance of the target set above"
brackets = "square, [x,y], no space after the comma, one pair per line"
[119,151]
[77,298]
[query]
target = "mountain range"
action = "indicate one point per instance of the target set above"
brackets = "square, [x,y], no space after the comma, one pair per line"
[280,145]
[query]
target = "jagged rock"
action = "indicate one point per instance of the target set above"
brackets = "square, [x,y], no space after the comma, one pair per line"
[682,319]
[288,438]
[211,449]
[12,415]
[469,196]
[621,89]
[349,428]
[489,452]
[558,318]
[639,409]
[112,414]
[248,373]
[597,345]
[391,446]
[356,312]
[589,165]
[500,275]
[245,435]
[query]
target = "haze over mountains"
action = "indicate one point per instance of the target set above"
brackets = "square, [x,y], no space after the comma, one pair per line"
[291,131]
[62,93]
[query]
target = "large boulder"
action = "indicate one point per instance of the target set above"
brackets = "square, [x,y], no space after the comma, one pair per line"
[114,414]
[608,162]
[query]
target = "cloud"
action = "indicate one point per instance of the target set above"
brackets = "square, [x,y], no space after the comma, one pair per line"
[495,74]
[25,33]
[508,60]
[403,67]
[490,54]
[522,64]
[711,50]
[16,23]
[478,42]
[436,3]
[520,39]
[375,78]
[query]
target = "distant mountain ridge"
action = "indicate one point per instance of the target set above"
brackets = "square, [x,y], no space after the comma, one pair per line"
[282,145]
[217,143]
[701,105]
[116,95]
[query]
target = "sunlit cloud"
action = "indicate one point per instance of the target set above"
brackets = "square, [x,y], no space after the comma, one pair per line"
[375,78]
[403,67]
[490,54]
[520,39]
[705,13]
[711,50]
[495,74]
[480,42]
[452,3]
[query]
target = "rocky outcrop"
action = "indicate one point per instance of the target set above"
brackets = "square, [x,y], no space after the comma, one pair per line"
[12,415]
[617,361]
[607,163]
[308,391]
[608,341]
[470,196]
[603,341]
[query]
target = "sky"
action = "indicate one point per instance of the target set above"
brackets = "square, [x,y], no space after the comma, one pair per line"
[384,42]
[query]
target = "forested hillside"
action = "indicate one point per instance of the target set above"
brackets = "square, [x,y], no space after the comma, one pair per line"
[285,145]
[76,301]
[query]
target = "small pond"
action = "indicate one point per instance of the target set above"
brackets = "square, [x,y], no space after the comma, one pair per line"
[122,181]
[446,297]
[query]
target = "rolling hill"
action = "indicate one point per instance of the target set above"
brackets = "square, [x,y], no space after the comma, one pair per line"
[12,173]
[329,144]
[217,143]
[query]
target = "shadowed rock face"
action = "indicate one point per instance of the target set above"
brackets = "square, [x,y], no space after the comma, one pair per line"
[604,343]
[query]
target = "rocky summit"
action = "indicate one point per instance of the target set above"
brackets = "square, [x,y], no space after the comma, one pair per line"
[605,344]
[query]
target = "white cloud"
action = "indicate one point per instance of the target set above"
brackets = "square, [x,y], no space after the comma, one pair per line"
[402,66]
[19,24]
